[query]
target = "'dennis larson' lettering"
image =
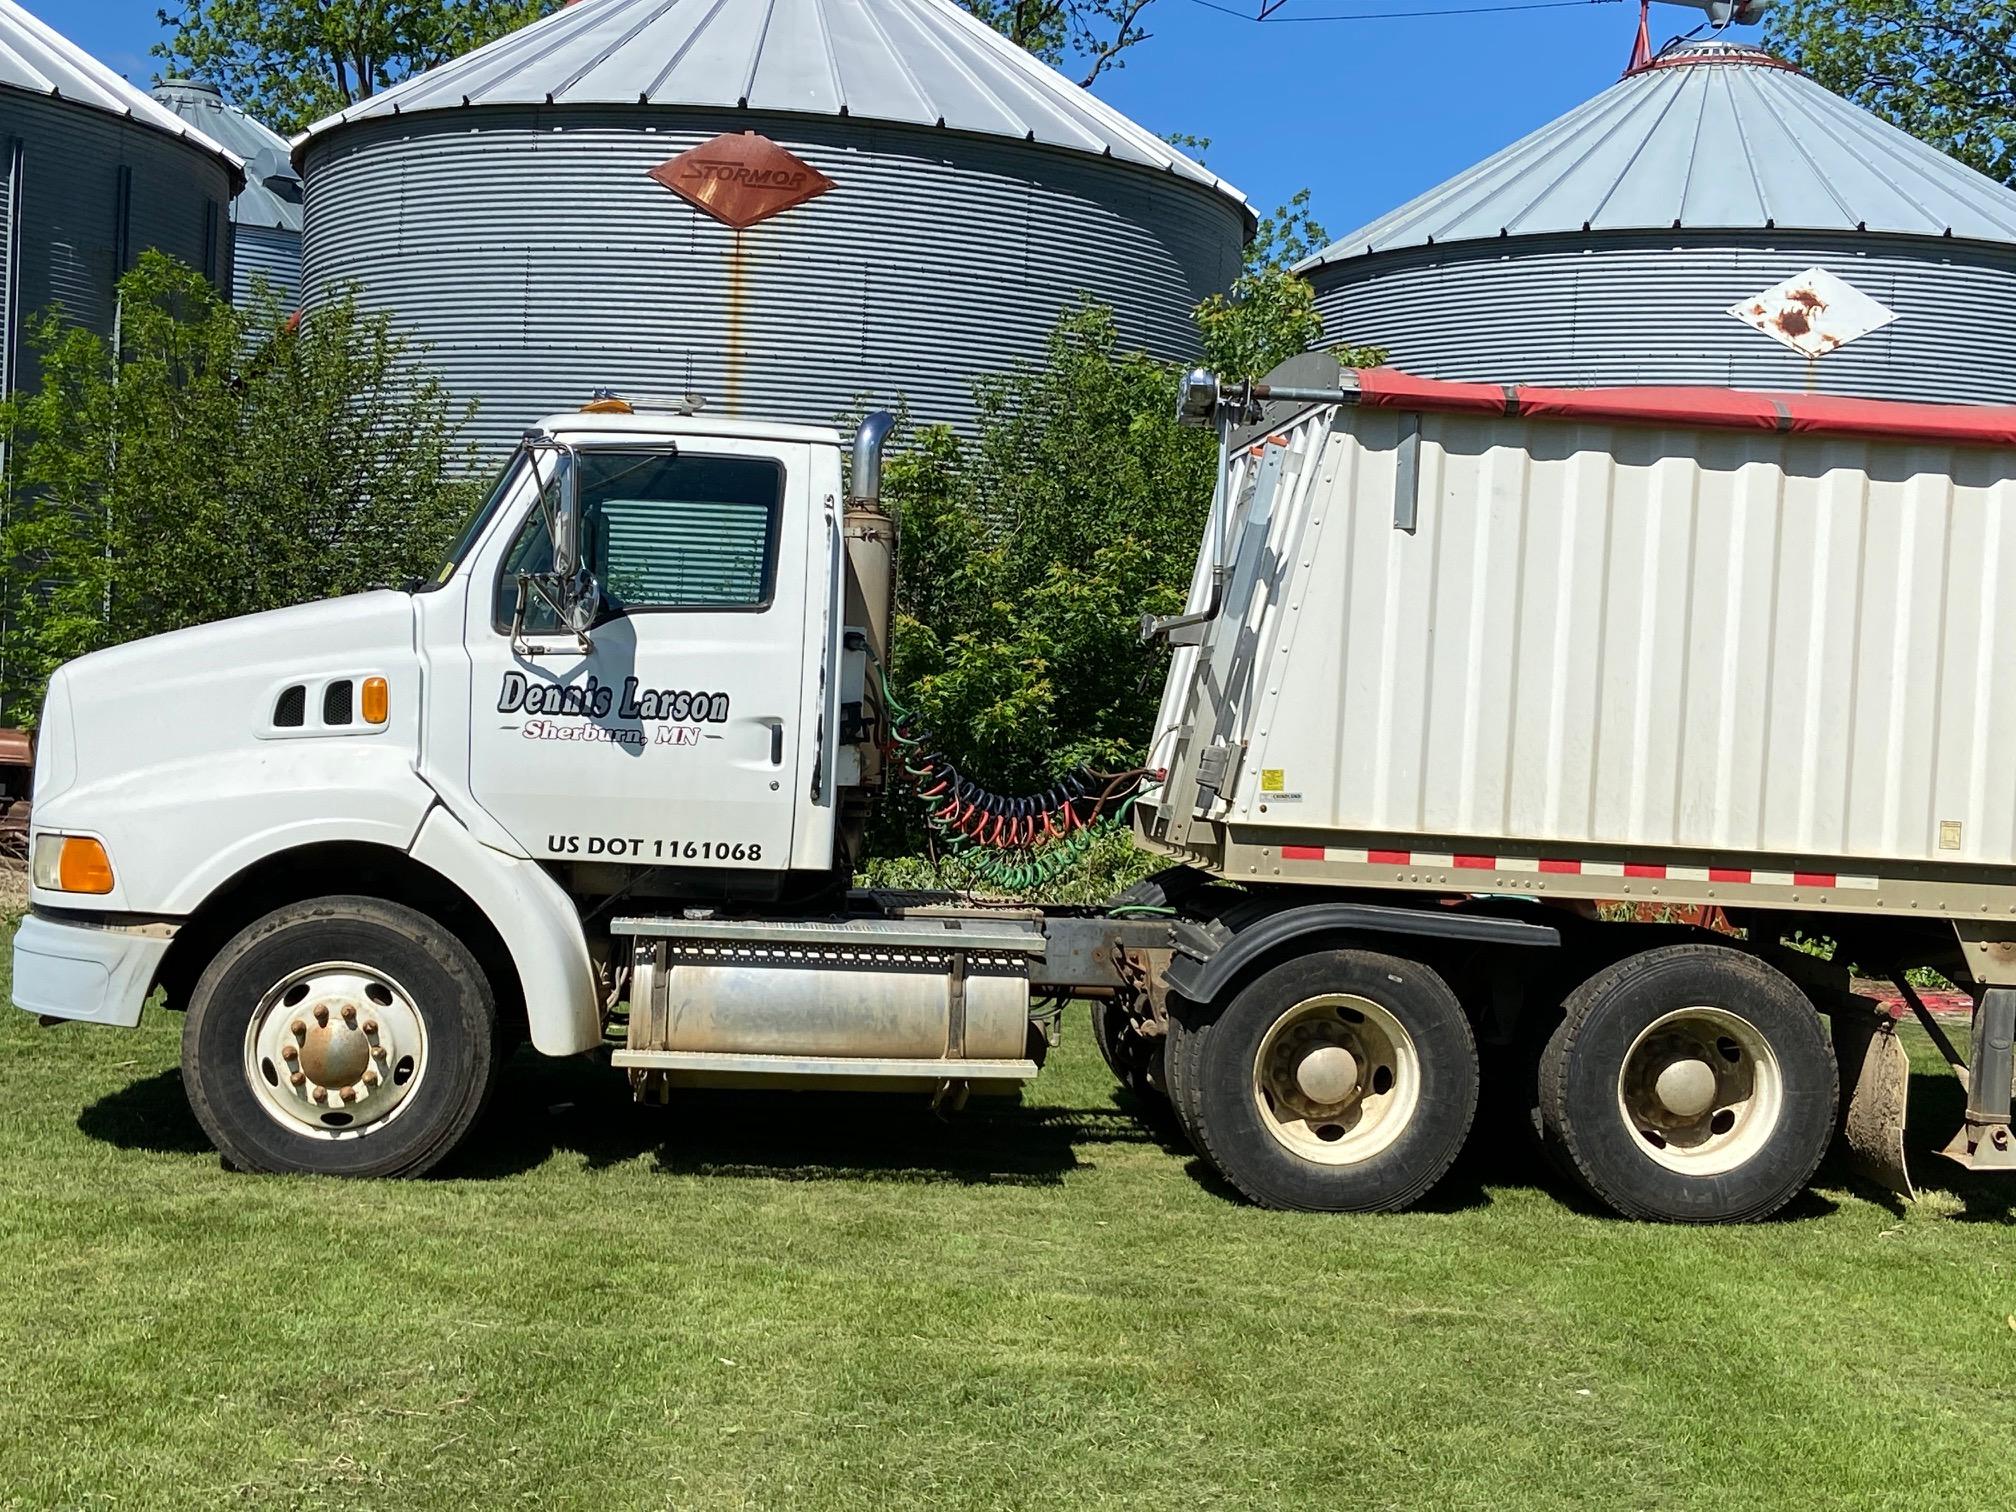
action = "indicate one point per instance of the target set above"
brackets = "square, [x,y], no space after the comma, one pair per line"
[592,699]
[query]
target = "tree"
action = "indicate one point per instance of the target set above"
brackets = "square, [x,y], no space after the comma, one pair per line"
[1944,70]
[1270,315]
[291,62]
[217,463]
[1081,37]
[1029,554]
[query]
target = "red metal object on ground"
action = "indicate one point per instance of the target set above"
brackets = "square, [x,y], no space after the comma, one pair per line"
[17,772]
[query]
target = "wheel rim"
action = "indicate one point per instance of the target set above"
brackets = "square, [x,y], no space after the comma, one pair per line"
[335,1050]
[1337,1079]
[1702,1090]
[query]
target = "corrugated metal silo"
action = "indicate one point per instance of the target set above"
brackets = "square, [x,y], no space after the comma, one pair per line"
[95,174]
[918,203]
[266,215]
[1631,242]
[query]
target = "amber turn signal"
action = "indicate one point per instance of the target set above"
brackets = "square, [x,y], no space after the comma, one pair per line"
[377,700]
[72,863]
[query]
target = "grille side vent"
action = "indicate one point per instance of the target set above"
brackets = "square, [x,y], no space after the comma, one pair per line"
[337,701]
[290,709]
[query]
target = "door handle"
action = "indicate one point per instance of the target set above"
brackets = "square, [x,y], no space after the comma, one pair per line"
[777,744]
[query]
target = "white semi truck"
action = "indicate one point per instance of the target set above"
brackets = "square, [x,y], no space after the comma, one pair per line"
[1459,664]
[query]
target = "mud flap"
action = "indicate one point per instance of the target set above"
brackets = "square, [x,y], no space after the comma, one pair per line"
[1876,1074]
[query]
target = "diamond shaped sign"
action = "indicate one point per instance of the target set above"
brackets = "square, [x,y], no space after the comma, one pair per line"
[1814,313]
[741,178]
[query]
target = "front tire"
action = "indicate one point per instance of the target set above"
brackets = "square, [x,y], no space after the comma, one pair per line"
[1344,1081]
[1690,1084]
[342,1036]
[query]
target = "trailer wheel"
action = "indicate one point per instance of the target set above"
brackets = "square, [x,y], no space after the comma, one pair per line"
[1180,1048]
[341,1036]
[1344,1081]
[1691,1084]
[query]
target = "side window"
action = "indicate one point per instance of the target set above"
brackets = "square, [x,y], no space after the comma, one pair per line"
[663,532]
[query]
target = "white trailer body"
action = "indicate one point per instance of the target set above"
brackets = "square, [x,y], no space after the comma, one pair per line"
[1592,647]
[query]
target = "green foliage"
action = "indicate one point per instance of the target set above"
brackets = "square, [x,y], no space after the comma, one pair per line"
[1111,864]
[1029,554]
[219,462]
[1944,70]
[1083,37]
[1270,314]
[291,62]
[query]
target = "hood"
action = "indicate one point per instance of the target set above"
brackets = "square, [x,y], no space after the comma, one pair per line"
[114,715]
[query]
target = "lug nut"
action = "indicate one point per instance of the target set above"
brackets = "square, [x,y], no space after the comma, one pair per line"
[298,1029]
[349,1094]
[371,1078]
[298,1078]
[370,1026]
[349,1013]
[288,1052]
[321,1013]
[316,1094]
[378,1052]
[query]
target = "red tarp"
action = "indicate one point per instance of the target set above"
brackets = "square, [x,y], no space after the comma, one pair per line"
[1719,408]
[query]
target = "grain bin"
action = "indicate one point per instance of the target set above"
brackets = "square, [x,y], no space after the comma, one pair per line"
[266,215]
[95,173]
[1667,231]
[786,206]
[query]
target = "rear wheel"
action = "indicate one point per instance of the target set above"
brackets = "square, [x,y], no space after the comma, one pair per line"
[341,1036]
[1344,1081]
[1690,1084]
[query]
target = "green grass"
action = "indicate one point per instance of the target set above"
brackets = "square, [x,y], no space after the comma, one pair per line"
[766,1302]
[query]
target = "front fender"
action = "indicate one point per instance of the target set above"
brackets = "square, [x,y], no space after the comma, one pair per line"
[539,925]
[178,831]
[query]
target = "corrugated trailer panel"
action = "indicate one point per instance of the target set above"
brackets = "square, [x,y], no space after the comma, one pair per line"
[1595,634]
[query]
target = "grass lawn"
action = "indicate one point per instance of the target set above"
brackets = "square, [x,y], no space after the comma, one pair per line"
[768,1302]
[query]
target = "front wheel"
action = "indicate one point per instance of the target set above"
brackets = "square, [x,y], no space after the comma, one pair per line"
[341,1036]
[1343,1081]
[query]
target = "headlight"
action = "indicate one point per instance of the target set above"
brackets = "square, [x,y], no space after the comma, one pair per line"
[71,863]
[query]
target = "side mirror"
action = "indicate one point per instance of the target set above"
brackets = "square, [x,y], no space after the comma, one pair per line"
[580,602]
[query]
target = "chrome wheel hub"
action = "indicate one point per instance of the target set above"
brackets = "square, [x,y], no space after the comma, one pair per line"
[335,1049]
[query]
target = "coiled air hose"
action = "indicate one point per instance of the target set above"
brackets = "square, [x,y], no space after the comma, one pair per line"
[1017,842]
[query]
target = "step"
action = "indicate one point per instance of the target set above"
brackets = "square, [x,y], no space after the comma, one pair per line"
[735,1063]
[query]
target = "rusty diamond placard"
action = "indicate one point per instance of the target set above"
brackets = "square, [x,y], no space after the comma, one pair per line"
[741,178]
[1815,313]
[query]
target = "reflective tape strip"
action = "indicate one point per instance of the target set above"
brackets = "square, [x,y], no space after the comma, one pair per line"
[1560,866]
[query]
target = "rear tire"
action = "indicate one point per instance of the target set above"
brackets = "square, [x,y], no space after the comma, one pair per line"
[1690,1084]
[342,1036]
[1343,1081]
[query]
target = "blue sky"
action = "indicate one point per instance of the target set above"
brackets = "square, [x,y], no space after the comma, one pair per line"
[1365,113]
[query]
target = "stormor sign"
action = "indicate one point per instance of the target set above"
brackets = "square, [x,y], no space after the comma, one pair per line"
[741,178]
[1814,313]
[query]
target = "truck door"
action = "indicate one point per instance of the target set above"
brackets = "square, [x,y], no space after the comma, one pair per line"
[673,740]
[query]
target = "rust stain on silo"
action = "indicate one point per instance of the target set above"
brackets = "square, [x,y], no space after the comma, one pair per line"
[732,354]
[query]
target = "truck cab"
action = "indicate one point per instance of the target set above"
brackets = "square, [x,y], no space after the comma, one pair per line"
[634,677]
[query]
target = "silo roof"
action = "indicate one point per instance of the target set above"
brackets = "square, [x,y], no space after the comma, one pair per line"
[38,60]
[1707,136]
[272,194]
[909,62]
